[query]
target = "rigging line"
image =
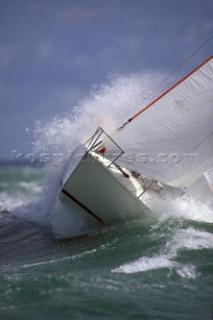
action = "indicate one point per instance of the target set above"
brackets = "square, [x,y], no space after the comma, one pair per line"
[185,61]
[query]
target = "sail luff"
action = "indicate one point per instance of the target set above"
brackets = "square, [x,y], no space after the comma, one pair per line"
[166,92]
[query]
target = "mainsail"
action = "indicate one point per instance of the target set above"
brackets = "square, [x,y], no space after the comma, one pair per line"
[171,140]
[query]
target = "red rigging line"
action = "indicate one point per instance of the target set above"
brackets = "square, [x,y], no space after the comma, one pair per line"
[165,93]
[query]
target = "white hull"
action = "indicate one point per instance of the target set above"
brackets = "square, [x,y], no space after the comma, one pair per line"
[94,193]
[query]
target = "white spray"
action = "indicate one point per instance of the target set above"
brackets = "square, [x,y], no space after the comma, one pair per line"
[108,105]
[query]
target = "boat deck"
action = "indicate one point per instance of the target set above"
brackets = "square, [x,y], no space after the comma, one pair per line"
[123,175]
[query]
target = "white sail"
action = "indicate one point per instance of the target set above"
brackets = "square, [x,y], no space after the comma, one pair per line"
[171,140]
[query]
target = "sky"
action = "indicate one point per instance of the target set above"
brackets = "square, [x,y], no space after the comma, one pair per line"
[53,51]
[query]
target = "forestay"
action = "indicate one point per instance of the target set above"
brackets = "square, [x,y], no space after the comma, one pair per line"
[171,140]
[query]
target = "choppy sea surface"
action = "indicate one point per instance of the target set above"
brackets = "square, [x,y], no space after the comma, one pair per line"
[134,270]
[160,268]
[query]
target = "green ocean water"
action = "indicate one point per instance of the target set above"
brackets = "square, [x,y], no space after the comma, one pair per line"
[135,270]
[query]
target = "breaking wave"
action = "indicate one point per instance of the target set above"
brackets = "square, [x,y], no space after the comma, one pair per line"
[108,105]
[180,240]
